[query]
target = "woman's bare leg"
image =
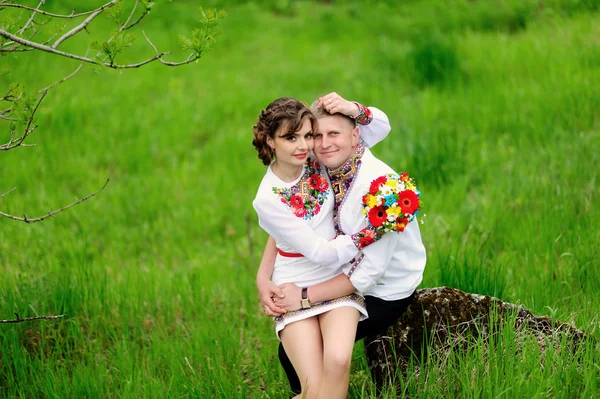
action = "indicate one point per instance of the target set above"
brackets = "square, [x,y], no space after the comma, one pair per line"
[304,346]
[338,328]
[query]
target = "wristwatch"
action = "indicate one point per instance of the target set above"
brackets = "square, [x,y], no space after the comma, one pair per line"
[305,302]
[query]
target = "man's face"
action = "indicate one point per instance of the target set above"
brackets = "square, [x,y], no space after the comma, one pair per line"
[335,140]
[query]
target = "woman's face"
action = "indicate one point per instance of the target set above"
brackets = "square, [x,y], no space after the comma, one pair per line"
[293,148]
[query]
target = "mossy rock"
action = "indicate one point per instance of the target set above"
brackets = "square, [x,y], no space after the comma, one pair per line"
[442,318]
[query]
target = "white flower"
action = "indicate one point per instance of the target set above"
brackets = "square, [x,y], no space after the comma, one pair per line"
[386,190]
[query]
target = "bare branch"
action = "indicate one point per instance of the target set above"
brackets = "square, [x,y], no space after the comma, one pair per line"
[52,213]
[191,58]
[8,192]
[63,79]
[76,29]
[8,96]
[18,318]
[41,47]
[72,15]
[137,21]
[26,26]
[130,16]
[6,118]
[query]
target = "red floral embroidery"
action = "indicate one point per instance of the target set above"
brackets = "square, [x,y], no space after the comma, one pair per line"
[306,198]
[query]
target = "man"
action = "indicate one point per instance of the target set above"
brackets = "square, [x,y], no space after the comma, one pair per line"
[389,270]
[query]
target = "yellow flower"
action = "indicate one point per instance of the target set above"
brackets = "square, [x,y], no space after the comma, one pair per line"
[410,185]
[372,201]
[393,210]
[391,183]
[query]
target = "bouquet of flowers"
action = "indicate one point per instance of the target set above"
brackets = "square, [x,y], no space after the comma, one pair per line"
[392,202]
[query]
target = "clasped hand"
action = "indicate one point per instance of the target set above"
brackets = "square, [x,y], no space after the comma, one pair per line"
[276,300]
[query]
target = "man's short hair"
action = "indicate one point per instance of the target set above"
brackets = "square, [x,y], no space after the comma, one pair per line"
[321,112]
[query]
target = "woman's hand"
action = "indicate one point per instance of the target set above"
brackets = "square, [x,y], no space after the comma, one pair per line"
[334,103]
[292,297]
[267,292]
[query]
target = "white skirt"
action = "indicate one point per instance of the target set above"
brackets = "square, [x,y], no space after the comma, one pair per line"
[353,300]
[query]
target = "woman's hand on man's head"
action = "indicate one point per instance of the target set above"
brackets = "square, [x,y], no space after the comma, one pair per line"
[334,103]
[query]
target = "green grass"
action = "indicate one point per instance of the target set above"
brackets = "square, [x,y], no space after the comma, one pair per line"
[494,113]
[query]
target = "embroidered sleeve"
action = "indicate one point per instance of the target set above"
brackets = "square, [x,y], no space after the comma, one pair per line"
[365,115]
[354,264]
[376,131]
[284,226]
[365,237]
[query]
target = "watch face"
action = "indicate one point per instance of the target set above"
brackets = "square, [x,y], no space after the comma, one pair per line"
[305,303]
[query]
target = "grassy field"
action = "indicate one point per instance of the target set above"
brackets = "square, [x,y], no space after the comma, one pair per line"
[494,107]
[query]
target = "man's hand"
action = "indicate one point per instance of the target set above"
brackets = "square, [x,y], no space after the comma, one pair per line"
[292,296]
[267,292]
[334,103]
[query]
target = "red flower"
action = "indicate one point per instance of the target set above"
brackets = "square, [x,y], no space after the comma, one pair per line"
[377,216]
[408,201]
[364,199]
[401,224]
[314,181]
[365,241]
[376,183]
[317,208]
[403,176]
[300,212]
[323,185]
[297,202]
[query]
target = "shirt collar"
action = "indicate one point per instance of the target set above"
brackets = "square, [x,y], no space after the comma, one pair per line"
[351,165]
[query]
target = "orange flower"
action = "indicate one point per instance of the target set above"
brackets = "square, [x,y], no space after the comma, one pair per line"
[401,224]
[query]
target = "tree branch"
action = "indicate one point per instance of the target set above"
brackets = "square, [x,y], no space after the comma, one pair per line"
[191,58]
[41,47]
[18,318]
[62,80]
[12,144]
[8,192]
[52,213]
[76,29]
[137,21]
[26,26]
[130,15]
[72,15]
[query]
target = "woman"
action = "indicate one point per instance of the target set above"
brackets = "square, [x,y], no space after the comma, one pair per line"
[295,206]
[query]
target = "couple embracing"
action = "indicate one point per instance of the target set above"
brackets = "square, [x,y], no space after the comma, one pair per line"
[327,276]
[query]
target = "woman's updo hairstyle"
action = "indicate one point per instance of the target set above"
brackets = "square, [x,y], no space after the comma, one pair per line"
[287,113]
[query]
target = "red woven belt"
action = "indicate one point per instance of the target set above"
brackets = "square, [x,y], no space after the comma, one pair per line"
[289,254]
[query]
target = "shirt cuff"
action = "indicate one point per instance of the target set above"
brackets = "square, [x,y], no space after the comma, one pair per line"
[365,115]
[358,277]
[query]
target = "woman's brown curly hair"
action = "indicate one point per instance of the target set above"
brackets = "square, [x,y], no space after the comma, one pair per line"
[285,112]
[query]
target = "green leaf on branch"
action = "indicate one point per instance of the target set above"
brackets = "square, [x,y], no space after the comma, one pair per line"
[148,4]
[115,12]
[202,39]
[110,49]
